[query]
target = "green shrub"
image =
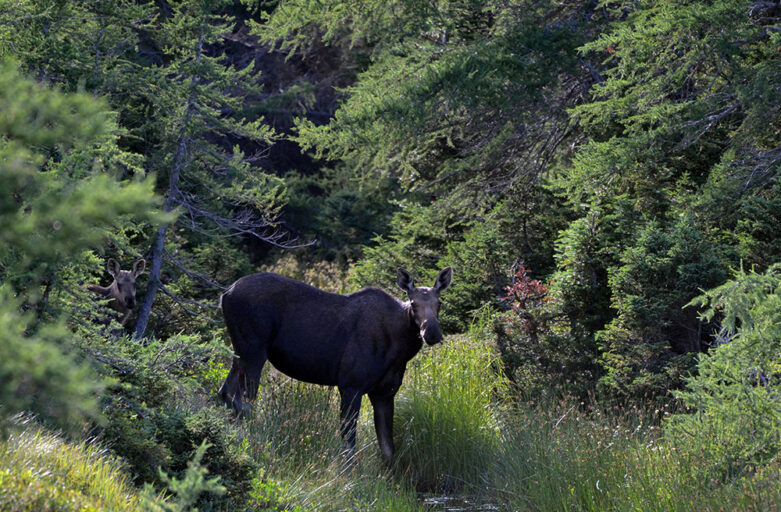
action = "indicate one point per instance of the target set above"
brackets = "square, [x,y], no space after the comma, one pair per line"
[417,238]
[38,375]
[57,198]
[270,495]
[162,408]
[187,490]
[650,347]
[577,306]
[542,353]
[479,261]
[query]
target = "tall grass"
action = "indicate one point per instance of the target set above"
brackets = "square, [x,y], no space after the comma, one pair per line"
[294,433]
[294,423]
[41,472]
[448,412]
[556,459]
[465,430]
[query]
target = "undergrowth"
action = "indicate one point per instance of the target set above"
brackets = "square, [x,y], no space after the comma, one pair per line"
[460,430]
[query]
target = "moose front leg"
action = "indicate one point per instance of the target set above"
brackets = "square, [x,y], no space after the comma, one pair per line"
[383,423]
[351,406]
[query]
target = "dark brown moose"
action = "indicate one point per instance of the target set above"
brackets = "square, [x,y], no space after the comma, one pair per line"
[122,291]
[359,342]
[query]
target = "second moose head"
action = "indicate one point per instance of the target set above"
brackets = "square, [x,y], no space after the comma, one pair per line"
[122,291]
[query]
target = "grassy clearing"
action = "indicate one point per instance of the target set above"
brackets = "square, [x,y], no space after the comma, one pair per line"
[592,461]
[294,433]
[461,431]
[464,431]
[41,472]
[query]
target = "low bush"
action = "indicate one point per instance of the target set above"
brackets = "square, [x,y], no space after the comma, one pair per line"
[162,407]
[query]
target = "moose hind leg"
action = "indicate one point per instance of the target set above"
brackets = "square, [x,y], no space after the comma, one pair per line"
[251,370]
[230,392]
[249,344]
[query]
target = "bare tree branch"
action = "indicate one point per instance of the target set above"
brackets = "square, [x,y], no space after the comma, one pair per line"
[181,302]
[191,273]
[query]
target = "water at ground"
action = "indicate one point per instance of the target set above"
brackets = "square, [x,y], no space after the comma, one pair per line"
[458,504]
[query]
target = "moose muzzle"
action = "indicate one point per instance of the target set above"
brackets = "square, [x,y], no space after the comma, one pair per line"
[430,332]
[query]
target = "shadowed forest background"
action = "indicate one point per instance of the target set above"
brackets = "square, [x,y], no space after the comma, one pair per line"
[602,176]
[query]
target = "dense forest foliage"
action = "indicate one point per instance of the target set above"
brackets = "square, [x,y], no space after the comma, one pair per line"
[602,176]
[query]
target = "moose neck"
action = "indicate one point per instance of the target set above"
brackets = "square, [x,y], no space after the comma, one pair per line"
[111,291]
[414,341]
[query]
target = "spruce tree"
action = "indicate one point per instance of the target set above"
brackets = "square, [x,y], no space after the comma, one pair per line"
[182,107]
[735,418]
[197,102]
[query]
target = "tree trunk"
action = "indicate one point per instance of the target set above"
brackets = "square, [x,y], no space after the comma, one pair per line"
[156,256]
[156,259]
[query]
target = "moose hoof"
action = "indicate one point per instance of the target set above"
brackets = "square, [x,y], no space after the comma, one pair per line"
[349,458]
[243,410]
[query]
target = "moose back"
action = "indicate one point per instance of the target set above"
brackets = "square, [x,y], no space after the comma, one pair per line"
[359,342]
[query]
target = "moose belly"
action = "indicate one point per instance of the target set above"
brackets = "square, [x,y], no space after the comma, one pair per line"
[310,347]
[306,364]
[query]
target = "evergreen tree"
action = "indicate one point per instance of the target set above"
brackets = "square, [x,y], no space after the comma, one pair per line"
[58,197]
[649,347]
[453,95]
[736,418]
[182,106]
[198,104]
[671,135]
[462,106]
[90,45]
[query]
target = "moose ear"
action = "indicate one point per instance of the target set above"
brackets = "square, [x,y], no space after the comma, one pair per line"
[138,267]
[112,267]
[404,279]
[443,279]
